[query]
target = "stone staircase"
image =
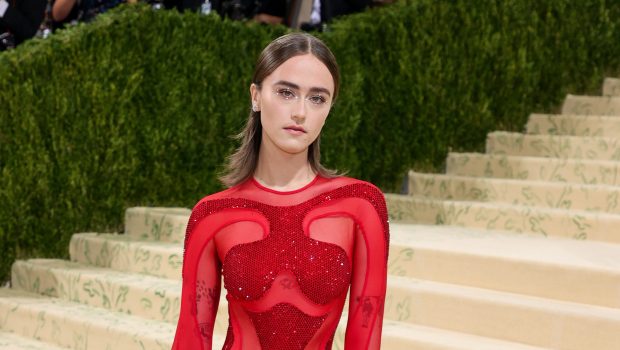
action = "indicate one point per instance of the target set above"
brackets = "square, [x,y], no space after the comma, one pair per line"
[517,248]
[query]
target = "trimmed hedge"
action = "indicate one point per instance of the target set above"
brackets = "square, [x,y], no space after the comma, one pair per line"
[136,108]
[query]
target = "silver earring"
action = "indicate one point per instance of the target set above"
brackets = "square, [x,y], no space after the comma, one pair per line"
[254,108]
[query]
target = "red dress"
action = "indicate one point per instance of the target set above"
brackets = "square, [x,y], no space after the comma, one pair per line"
[287,260]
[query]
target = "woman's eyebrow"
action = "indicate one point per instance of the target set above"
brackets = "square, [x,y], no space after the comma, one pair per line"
[296,87]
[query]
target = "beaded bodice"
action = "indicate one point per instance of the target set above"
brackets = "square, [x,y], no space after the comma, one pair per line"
[321,269]
[287,260]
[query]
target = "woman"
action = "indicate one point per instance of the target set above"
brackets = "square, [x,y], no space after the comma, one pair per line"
[289,237]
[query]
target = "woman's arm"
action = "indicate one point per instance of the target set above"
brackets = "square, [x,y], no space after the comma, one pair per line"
[61,9]
[201,286]
[369,278]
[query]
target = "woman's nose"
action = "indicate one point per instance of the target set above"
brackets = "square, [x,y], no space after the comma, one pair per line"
[299,111]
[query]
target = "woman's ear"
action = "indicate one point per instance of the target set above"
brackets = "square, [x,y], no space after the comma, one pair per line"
[255,96]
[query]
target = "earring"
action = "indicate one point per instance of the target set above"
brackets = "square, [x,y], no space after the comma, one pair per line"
[254,108]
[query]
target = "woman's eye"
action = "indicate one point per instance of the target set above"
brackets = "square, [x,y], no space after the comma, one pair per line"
[317,99]
[286,93]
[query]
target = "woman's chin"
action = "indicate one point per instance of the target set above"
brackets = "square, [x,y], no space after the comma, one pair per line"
[293,149]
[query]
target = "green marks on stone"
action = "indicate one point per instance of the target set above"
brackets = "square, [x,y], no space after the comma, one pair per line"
[175,261]
[403,309]
[399,261]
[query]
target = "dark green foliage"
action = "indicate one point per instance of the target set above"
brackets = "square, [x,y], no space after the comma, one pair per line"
[137,108]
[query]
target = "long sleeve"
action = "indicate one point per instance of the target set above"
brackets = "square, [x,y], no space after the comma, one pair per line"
[201,285]
[369,279]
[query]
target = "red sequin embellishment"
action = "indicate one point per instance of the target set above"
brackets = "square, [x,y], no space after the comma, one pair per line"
[323,270]
[284,327]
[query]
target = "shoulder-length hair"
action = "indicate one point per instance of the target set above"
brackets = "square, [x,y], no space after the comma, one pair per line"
[242,163]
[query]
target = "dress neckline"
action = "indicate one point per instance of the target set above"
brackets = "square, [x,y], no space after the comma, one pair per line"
[265,188]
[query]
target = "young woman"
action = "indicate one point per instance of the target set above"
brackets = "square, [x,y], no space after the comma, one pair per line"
[289,237]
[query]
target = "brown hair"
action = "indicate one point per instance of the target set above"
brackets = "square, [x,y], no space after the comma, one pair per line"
[243,162]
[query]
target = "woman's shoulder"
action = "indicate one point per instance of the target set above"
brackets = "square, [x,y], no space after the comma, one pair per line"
[341,181]
[226,193]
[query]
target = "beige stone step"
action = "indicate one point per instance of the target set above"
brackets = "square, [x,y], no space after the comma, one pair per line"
[550,269]
[591,105]
[534,168]
[576,125]
[496,216]
[611,87]
[82,327]
[593,261]
[77,326]
[392,336]
[520,192]
[556,146]
[510,317]
[403,336]
[158,224]
[129,293]
[141,295]
[12,341]
[392,313]
[557,289]
[586,272]
[128,254]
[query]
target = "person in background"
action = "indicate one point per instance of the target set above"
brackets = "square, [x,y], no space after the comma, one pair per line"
[19,20]
[324,11]
[67,11]
[272,12]
[183,5]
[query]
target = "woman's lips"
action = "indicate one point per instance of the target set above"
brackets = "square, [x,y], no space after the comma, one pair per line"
[295,130]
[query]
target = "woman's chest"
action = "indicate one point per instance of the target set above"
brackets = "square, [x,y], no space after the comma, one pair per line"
[314,256]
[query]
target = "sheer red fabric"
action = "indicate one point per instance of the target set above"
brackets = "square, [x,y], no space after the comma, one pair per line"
[287,260]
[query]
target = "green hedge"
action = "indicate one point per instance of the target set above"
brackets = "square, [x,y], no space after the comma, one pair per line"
[137,107]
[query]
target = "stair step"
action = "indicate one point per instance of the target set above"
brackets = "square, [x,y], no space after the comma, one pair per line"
[12,341]
[510,317]
[556,146]
[78,326]
[591,105]
[549,287]
[578,271]
[404,336]
[597,274]
[611,87]
[398,335]
[128,254]
[519,192]
[576,125]
[157,224]
[81,327]
[391,337]
[534,168]
[141,295]
[399,309]
[513,218]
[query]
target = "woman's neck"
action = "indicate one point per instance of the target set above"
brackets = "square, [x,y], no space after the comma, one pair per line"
[282,171]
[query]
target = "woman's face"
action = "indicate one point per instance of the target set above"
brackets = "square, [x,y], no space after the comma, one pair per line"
[294,102]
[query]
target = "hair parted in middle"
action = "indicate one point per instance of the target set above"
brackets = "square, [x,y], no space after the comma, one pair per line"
[242,163]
